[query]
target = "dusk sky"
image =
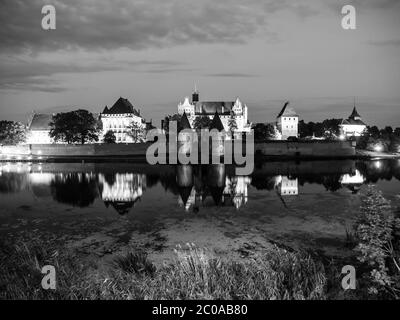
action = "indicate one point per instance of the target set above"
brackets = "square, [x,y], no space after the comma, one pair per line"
[153,52]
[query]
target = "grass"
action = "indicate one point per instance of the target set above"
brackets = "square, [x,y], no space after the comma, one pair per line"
[21,276]
[195,273]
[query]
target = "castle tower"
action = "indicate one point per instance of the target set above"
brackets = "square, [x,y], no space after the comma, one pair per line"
[195,95]
[288,122]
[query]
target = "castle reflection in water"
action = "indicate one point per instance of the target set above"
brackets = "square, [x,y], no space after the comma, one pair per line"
[197,184]
[121,190]
[195,187]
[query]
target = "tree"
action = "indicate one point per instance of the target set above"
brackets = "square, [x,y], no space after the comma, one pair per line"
[363,140]
[175,117]
[12,133]
[329,128]
[305,129]
[397,132]
[264,131]
[374,132]
[78,126]
[202,122]
[109,137]
[76,189]
[137,132]
[332,127]
[232,125]
[387,132]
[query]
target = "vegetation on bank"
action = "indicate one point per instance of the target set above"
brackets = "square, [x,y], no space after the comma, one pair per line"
[12,132]
[197,273]
[378,236]
[79,126]
[383,140]
[194,274]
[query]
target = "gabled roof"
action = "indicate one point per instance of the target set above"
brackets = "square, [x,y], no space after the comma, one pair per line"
[121,106]
[40,121]
[351,121]
[216,123]
[287,111]
[211,107]
[354,119]
[184,122]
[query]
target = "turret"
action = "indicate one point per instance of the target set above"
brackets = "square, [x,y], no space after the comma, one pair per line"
[195,96]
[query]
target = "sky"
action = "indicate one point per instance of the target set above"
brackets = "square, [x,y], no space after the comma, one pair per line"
[153,52]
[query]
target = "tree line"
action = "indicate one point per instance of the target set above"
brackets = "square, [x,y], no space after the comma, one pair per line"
[386,139]
[81,126]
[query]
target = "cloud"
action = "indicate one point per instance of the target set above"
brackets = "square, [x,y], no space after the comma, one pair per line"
[139,24]
[365,5]
[233,75]
[30,57]
[385,43]
[32,84]
[101,24]
[38,74]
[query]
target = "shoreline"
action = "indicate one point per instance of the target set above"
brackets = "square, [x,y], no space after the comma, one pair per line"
[142,159]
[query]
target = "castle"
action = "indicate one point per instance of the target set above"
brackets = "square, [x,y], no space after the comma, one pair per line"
[232,115]
[228,111]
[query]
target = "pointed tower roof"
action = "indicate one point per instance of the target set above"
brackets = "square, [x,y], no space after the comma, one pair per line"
[185,192]
[121,207]
[287,111]
[106,110]
[354,118]
[184,122]
[216,123]
[354,115]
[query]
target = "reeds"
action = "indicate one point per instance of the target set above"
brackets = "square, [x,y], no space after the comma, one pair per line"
[194,273]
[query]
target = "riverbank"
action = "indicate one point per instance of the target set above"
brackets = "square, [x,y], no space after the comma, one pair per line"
[268,150]
[378,155]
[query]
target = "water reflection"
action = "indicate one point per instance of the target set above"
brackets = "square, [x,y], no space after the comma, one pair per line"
[353,181]
[196,188]
[208,185]
[121,190]
[287,186]
[76,189]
